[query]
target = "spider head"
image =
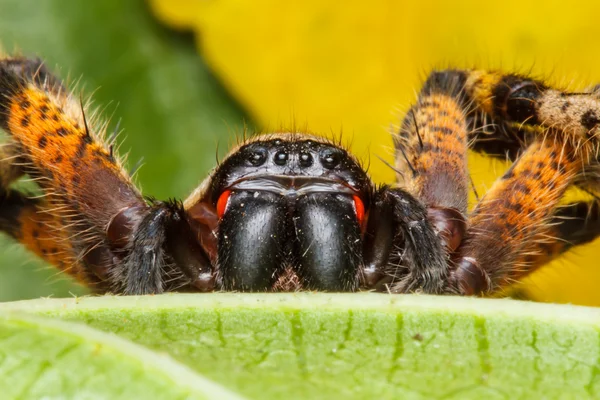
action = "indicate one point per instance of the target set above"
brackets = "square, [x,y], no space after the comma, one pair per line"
[288,212]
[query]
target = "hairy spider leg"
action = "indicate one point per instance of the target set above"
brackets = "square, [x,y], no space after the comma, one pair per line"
[516,110]
[512,218]
[132,246]
[85,186]
[571,225]
[506,113]
[431,155]
[433,137]
[27,221]
[49,127]
[519,99]
[519,106]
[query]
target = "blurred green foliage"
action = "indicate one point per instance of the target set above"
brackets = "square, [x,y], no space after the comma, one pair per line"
[172,110]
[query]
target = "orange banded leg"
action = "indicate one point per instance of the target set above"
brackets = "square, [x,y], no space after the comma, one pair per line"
[28,221]
[502,109]
[520,109]
[571,225]
[431,155]
[519,99]
[513,217]
[84,184]
[50,129]
[121,239]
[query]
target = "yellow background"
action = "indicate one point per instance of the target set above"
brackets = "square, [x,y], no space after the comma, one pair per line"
[354,66]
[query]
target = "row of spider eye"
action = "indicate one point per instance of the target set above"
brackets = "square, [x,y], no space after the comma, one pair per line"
[328,157]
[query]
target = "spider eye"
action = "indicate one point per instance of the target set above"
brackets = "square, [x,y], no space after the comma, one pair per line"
[281,158]
[305,160]
[257,156]
[330,158]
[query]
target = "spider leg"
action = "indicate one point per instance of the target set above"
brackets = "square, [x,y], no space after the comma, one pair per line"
[518,99]
[431,162]
[571,225]
[505,114]
[120,237]
[397,231]
[507,144]
[432,145]
[431,154]
[514,216]
[510,111]
[64,153]
[28,221]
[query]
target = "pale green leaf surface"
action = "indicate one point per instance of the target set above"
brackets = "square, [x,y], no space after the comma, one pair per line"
[324,346]
[44,358]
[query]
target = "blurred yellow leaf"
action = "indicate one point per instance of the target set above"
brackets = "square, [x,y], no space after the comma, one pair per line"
[353,66]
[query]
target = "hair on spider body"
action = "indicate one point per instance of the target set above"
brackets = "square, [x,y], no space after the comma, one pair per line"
[291,211]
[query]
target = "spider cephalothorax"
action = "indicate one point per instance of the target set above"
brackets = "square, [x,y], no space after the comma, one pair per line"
[279,200]
[291,211]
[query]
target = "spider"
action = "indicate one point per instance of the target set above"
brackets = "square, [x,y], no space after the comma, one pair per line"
[291,211]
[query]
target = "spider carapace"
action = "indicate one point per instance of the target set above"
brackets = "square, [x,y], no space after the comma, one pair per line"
[290,211]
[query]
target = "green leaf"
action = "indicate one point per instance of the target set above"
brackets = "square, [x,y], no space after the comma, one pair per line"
[173,112]
[46,358]
[325,346]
